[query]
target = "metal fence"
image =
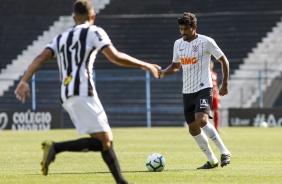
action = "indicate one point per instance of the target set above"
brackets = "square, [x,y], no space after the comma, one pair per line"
[141,79]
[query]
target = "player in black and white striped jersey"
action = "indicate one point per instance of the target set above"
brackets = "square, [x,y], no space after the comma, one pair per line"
[193,52]
[75,51]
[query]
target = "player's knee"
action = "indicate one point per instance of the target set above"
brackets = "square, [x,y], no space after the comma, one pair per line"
[106,145]
[194,129]
[201,119]
[202,122]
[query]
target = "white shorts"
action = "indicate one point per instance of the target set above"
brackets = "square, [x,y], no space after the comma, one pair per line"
[87,114]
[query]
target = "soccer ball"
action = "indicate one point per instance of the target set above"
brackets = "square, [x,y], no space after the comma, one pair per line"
[263,124]
[155,162]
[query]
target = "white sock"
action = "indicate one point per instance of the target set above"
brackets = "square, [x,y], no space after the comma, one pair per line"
[203,143]
[211,132]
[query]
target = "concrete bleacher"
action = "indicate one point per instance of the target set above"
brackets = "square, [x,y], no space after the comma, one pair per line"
[266,58]
[30,23]
[206,6]
[24,21]
[233,22]
[11,70]
[236,26]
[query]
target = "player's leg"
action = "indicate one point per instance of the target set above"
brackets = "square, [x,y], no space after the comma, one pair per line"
[98,142]
[197,134]
[48,156]
[89,117]
[109,156]
[202,140]
[203,97]
[95,123]
[80,145]
[211,132]
[81,116]
[104,133]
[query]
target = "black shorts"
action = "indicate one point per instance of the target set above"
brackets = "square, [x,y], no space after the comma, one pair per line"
[200,101]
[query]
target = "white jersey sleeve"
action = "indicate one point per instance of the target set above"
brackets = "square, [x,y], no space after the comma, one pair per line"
[99,37]
[53,46]
[176,58]
[213,48]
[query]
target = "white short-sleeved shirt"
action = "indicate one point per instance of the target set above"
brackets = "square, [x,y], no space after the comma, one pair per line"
[195,59]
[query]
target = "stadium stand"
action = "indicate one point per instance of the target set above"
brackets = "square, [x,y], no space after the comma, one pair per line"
[223,20]
[24,21]
[266,58]
[147,31]
[237,27]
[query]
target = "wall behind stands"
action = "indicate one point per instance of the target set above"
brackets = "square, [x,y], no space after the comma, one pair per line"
[43,119]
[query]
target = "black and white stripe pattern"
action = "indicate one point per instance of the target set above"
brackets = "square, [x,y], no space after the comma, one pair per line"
[76,50]
[195,60]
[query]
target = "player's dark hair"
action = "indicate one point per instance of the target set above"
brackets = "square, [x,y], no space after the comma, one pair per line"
[82,7]
[187,19]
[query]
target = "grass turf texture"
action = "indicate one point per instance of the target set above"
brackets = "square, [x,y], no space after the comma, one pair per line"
[257,157]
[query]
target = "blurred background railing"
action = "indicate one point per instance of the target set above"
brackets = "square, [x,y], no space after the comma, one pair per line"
[249,33]
[130,97]
[133,97]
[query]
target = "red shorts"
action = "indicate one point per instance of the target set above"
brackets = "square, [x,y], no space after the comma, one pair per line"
[215,104]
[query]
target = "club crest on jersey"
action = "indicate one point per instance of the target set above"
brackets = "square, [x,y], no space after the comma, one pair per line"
[204,103]
[195,48]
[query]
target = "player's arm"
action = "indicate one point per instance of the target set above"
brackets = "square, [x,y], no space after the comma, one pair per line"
[175,66]
[225,75]
[125,60]
[23,89]
[171,69]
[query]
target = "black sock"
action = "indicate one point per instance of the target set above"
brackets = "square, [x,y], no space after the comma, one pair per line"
[80,145]
[110,158]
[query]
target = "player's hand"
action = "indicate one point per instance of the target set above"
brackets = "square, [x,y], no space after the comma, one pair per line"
[22,91]
[153,68]
[161,74]
[223,89]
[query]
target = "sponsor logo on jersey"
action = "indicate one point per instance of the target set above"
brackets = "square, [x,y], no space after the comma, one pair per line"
[204,103]
[188,61]
[67,80]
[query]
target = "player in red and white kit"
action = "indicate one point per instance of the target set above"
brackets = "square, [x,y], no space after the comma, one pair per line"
[215,98]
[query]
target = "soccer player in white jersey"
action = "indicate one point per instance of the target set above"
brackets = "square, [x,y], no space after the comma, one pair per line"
[193,52]
[75,51]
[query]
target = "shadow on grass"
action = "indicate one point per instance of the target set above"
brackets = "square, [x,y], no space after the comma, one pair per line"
[107,172]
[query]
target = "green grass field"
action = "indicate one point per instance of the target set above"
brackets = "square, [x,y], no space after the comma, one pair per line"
[257,157]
